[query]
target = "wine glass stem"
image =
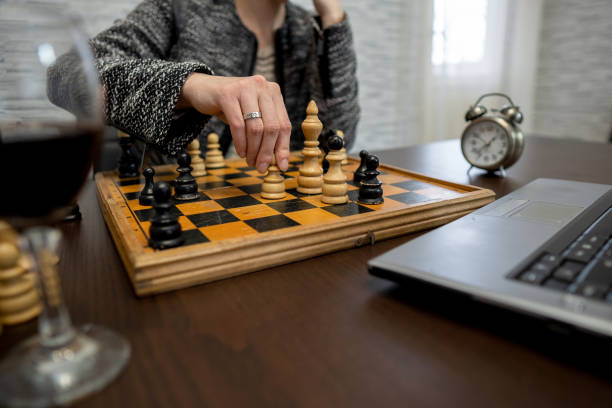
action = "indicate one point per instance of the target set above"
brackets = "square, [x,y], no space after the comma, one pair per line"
[54,325]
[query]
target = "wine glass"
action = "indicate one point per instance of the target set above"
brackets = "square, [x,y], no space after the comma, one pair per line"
[50,129]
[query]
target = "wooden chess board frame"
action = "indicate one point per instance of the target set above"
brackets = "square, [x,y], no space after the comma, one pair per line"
[154,271]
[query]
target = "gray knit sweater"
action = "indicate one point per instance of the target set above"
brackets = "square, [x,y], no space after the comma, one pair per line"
[145,58]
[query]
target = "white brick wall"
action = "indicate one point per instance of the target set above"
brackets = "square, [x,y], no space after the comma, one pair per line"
[389,69]
[99,14]
[574,80]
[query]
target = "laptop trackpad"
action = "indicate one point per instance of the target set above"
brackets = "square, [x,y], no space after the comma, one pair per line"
[548,213]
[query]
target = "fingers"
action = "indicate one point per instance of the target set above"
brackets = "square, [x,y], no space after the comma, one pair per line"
[284,135]
[277,129]
[221,116]
[258,139]
[249,102]
[271,127]
[232,112]
[269,135]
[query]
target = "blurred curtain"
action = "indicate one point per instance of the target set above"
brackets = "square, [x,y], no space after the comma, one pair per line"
[478,46]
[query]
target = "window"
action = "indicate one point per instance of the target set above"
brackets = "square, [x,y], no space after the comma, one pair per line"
[459,31]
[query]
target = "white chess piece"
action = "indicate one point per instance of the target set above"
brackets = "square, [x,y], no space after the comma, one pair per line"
[273,187]
[334,181]
[214,156]
[310,180]
[197,162]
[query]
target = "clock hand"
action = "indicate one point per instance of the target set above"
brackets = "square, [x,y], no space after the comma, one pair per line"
[474,149]
[489,142]
[486,145]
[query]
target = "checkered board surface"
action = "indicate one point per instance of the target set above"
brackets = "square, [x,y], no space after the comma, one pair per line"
[231,211]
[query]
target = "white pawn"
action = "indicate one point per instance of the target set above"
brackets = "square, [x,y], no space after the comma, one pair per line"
[197,162]
[214,156]
[343,150]
[273,187]
[18,296]
[334,181]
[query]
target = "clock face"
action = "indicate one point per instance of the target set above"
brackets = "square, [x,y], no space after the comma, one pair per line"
[485,144]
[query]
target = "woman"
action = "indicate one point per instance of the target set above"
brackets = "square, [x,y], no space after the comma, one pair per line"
[170,66]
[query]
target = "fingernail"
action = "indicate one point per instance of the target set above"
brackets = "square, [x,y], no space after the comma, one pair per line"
[262,167]
[242,154]
[283,164]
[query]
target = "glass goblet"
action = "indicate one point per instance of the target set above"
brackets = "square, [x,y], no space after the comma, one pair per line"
[50,128]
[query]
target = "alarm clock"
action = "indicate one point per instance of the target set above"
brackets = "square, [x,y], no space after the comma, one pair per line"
[492,141]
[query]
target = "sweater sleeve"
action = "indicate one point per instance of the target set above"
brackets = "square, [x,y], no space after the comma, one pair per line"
[338,80]
[141,85]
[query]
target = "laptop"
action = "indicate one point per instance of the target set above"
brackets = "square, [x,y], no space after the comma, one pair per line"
[544,249]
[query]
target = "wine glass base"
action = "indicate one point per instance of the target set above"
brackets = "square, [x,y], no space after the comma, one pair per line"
[34,375]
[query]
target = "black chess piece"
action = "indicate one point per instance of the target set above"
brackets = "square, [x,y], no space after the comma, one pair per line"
[370,189]
[335,142]
[360,172]
[324,146]
[185,186]
[146,195]
[325,163]
[128,162]
[165,230]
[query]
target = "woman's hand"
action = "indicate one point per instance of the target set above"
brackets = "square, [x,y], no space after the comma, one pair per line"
[331,11]
[230,98]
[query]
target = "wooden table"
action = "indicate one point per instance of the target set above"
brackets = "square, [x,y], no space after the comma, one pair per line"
[323,332]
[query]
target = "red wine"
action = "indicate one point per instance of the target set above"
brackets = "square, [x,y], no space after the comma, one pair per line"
[42,167]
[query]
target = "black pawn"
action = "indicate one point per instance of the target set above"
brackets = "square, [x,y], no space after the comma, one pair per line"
[325,164]
[360,172]
[335,143]
[165,230]
[146,195]
[324,145]
[370,189]
[185,186]
[128,162]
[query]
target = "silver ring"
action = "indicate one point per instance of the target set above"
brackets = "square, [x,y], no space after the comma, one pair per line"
[252,115]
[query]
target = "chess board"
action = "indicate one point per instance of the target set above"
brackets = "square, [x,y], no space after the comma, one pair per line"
[231,230]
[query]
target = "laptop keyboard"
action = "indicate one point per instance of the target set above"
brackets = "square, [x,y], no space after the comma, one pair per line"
[583,267]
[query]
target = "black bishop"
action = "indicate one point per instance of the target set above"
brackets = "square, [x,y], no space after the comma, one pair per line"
[324,146]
